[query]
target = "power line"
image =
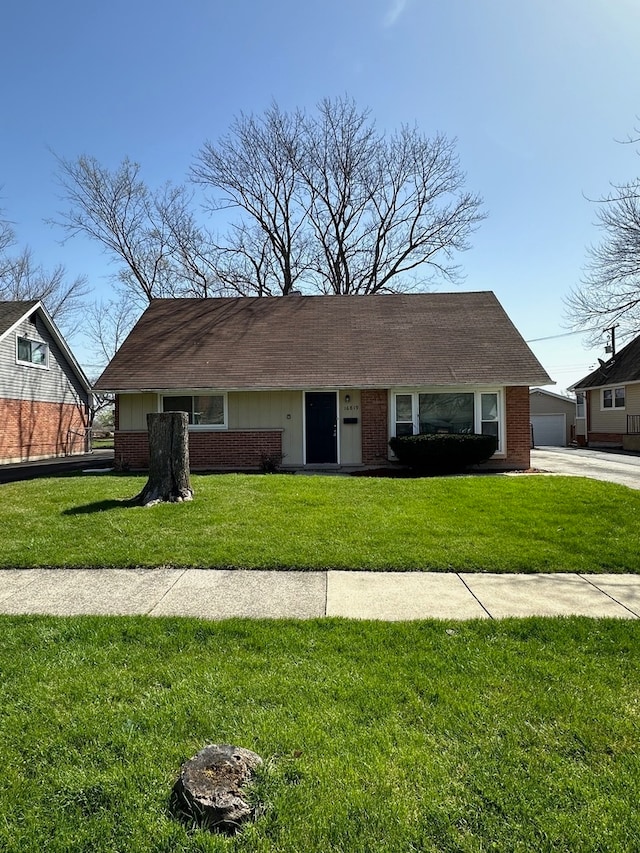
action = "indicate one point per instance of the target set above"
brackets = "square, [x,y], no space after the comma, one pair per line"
[563,335]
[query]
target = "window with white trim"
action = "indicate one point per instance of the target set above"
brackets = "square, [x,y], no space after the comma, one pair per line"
[580,405]
[489,415]
[404,414]
[613,398]
[421,412]
[208,411]
[32,352]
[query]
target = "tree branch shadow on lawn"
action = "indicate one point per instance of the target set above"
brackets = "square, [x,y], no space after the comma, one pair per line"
[101,506]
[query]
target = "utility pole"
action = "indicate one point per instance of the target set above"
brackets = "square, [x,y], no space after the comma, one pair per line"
[612,346]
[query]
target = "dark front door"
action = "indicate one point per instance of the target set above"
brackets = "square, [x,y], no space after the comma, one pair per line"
[321,427]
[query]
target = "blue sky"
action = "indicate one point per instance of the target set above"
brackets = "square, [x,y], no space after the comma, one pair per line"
[536,94]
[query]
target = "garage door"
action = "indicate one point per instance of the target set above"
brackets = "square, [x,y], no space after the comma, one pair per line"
[549,430]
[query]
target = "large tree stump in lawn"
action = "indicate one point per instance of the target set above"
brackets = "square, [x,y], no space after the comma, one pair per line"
[210,790]
[168,459]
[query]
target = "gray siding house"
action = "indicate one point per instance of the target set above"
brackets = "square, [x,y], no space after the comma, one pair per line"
[45,397]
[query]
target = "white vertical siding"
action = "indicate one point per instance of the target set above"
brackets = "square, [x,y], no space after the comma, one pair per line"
[134,408]
[350,434]
[270,410]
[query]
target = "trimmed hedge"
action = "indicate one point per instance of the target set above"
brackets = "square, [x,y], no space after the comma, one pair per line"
[443,453]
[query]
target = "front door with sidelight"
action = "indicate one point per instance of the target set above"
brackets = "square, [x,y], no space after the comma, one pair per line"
[321,427]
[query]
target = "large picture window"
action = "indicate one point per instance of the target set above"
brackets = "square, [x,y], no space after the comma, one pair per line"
[32,352]
[449,413]
[204,410]
[456,412]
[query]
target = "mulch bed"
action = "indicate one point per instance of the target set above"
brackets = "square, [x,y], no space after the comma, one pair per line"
[406,473]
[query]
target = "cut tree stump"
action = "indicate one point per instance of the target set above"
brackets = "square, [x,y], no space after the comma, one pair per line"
[168,459]
[210,789]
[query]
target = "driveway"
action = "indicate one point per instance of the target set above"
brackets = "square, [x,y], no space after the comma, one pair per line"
[98,459]
[615,467]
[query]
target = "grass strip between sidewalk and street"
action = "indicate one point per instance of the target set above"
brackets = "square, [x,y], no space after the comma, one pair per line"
[517,735]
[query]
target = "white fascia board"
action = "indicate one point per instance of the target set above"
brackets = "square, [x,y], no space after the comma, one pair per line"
[21,319]
[62,344]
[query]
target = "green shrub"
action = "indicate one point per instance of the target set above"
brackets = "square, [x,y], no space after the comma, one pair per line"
[443,452]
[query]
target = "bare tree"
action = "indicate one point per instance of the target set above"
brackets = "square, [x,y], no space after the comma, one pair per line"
[326,203]
[22,278]
[609,294]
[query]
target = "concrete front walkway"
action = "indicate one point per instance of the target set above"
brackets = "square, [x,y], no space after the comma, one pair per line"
[390,596]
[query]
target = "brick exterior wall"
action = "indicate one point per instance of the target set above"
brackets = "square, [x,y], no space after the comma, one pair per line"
[374,408]
[36,430]
[518,428]
[235,449]
[243,449]
[608,439]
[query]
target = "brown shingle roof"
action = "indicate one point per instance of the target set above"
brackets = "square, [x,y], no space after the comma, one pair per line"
[323,342]
[625,367]
[12,311]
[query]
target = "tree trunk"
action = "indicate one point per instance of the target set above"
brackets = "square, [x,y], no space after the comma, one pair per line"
[168,459]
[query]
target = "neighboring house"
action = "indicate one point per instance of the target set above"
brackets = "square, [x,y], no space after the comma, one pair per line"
[45,398]
[322,380]
[553,418]
[581,419]
[608,399]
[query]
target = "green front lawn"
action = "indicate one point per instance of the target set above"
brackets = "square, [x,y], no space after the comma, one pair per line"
[102,443]
[493,523]
[513,736]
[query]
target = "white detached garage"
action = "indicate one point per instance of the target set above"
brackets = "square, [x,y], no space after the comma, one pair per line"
[553,418]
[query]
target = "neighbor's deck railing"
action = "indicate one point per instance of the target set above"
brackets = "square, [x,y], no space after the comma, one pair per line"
[633,424]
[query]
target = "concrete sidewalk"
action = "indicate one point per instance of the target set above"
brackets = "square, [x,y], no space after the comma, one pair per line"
[389,596]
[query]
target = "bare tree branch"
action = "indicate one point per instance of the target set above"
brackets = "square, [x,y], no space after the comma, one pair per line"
[151,235]
[192,249]
[610,290]
[22,278]
[115,208]
[255,169]
[7,234]
[108,322]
